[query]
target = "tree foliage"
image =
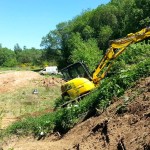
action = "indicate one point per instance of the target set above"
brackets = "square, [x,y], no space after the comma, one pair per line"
[7,57]
[86,51]
[85,38]
[10,58]
[96,27]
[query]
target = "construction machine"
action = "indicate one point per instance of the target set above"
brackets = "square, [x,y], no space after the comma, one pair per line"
[79,81]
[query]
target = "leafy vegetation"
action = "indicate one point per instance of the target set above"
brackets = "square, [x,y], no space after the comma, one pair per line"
[25,58]
[7,57]
[86,36]
[65,118]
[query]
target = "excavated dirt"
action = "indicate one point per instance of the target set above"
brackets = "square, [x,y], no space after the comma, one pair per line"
[125,125]
[13,80]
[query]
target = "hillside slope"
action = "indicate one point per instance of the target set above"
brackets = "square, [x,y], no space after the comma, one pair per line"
[124,125]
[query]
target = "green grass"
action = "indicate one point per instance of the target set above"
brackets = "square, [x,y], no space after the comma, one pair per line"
[24,101]
[3,69]
[20,68]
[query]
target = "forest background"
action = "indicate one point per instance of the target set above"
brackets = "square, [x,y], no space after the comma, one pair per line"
[84,38]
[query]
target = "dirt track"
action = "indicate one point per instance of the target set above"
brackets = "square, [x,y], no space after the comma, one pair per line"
[112,130]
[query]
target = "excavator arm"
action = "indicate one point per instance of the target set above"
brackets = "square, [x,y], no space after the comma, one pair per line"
[115,49]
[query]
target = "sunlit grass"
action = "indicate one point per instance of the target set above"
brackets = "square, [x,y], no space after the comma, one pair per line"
[24,101]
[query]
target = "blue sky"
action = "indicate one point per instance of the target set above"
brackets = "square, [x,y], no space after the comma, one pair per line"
[26,21]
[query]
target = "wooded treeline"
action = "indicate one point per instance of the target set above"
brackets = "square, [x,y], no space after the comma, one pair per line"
[85,37]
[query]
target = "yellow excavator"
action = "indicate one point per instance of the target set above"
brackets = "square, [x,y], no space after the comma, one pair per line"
[80,82]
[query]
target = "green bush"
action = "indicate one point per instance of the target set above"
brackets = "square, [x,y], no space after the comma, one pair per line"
[7,58]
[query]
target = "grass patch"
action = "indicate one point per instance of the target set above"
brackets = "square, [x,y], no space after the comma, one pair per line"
[24,101]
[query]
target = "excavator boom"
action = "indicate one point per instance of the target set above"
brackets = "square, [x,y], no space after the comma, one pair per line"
[115,49]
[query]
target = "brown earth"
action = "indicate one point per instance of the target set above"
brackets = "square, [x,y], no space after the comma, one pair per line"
[125,125]
[13,80]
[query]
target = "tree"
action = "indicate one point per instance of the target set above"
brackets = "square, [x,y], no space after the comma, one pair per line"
[30,56]
[7,58]
[107,22]
[104,36]
[86,51]
[17,48]
[142,7]
[87,32]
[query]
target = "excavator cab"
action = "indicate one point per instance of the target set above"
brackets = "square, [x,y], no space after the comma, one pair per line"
[76,70]
[79,80]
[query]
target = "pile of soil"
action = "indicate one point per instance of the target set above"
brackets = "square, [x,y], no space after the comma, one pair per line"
[51,81]
[13,80]
[125,125]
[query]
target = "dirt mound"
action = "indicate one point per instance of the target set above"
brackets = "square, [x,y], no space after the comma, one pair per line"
[13,80]
[118,130]
[51,81]
[125,125]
